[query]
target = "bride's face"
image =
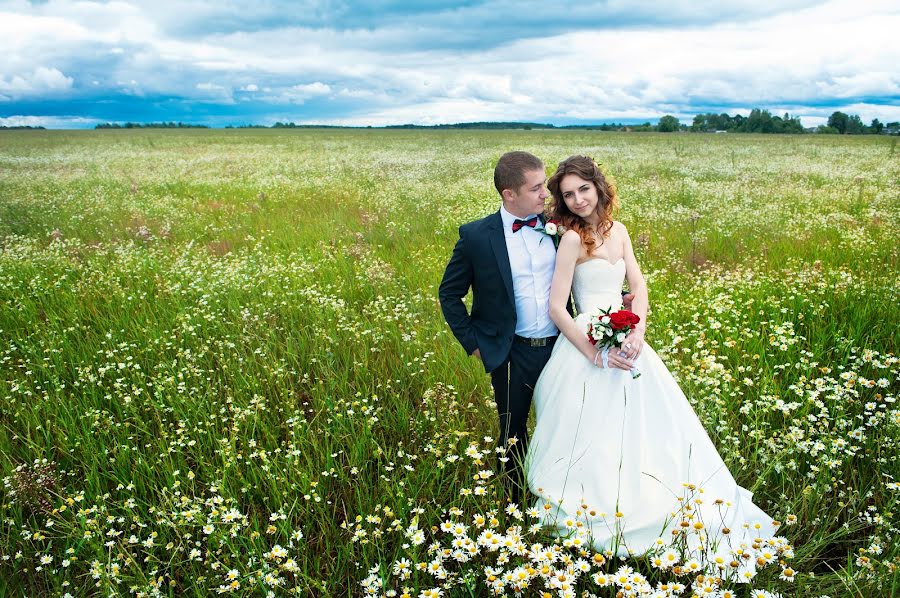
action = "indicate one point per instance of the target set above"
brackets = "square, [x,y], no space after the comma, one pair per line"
[580,195]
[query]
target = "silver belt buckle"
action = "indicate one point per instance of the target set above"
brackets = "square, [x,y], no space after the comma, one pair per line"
[537,342]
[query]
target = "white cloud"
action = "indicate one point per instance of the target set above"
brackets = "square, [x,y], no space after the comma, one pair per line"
[42,80]
[312,89]
[298,94]
[835,52]
[861,84]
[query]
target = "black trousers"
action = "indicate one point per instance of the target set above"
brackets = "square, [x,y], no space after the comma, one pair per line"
[513,384]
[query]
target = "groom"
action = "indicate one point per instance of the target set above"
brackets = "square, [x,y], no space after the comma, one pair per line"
[508,263]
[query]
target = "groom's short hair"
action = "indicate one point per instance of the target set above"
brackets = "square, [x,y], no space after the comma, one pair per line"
[511,168]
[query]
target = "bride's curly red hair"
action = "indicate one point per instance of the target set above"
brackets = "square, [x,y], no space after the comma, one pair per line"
[607,203]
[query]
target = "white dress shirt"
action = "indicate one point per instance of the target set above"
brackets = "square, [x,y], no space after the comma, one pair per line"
[532,259]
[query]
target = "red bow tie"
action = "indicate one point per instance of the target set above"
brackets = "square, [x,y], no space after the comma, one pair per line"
[532,222]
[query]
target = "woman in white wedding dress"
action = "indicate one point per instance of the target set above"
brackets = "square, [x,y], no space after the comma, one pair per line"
[615,457]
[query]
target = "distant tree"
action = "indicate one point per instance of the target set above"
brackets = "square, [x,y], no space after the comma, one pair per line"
[759,121]
[789,124]
[826,130]
[724,122]
[838,120]
[668,124]
[855,125]
[700,123]
[876,127]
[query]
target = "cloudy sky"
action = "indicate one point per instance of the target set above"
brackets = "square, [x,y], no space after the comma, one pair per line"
[67,63]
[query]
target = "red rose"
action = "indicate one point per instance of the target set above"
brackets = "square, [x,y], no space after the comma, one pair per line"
[623,319]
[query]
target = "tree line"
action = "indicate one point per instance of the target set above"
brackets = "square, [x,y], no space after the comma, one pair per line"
[758,121]
[160,125]
[762,121]
[852,124]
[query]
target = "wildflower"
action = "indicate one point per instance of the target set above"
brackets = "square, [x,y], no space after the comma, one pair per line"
[278,552]
[765,557]
[402,566]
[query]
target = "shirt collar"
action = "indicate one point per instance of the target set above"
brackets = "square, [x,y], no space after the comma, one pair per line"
[508,218]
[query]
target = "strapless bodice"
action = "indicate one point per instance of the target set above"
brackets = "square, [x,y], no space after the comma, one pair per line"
[598,283]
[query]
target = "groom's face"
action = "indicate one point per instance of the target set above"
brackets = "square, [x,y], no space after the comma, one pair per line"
[530,197]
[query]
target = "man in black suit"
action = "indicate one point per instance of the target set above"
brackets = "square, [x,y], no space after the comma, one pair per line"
[508,263]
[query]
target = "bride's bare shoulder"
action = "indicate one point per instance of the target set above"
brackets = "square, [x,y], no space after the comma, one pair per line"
[618,235]
[618,232]
[571,236]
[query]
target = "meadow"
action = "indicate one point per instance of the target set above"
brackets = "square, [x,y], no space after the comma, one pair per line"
[224,368]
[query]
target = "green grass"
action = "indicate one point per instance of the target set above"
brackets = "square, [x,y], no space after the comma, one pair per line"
[239,329]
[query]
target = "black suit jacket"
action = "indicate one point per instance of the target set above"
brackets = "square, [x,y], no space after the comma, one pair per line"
[480,261]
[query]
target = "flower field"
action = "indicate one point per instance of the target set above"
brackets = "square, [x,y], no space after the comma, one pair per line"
[224,367]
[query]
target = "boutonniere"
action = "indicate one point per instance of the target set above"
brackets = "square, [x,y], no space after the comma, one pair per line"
[553,229]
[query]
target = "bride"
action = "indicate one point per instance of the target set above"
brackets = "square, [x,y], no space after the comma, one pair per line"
[623,460]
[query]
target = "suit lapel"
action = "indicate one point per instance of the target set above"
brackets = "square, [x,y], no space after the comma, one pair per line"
[498,244]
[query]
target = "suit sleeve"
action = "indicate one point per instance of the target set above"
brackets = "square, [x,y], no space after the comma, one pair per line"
[455,285]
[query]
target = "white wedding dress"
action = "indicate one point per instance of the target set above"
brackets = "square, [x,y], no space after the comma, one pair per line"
[610,455]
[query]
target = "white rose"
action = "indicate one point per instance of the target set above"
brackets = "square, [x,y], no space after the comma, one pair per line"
[604,320]
[562,229]
[550,227]
[620,337]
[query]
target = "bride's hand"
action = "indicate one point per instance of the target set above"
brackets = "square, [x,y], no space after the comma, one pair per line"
[633,345]
[612,361]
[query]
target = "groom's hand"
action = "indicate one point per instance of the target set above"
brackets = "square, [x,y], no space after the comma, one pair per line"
[477,353]
[626,300]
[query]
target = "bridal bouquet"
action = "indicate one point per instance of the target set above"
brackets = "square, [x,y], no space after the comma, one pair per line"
[608,329]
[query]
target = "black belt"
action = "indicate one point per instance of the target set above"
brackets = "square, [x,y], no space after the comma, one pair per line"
[535,342]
